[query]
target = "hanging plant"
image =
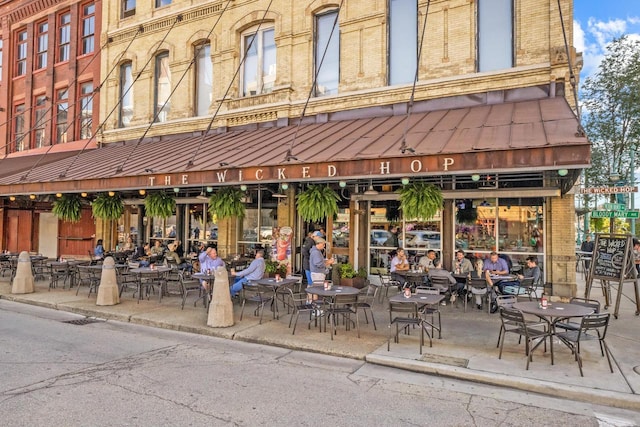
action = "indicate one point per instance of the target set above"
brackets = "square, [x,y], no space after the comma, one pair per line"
[159,205]
[227,203]
[68,207]
[317,202]
[466,213]
[107,207]
[420,200]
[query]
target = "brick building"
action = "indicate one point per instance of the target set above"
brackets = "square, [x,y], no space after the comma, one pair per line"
[271,96]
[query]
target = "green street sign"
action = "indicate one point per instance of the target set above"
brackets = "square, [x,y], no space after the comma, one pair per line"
[615,214]
[615,206]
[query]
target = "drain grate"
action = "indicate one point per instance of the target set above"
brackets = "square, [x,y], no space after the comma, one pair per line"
[81,322]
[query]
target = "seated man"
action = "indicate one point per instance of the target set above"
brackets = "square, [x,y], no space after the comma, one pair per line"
[494,266]
[255,271]
[210,262]
[426,262]
[438,271]
[399,263]
[532,270]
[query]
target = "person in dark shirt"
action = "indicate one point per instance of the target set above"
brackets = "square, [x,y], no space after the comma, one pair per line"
[587,246]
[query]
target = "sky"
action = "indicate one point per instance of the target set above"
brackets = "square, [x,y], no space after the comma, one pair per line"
[598,22]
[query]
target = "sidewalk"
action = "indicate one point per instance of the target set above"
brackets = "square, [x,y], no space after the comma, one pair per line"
[467,349]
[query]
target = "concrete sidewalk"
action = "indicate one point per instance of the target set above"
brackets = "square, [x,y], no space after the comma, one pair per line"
[467,349]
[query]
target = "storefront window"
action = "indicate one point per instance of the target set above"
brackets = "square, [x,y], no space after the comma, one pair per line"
[520,225]
[420,237]
[257,226]
[341,229]
[201,227]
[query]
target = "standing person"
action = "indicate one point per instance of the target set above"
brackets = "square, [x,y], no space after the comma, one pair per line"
[317,262]
[255,271]
[392,241]
[98,251]
[399,263]
[587,246]
[306,254]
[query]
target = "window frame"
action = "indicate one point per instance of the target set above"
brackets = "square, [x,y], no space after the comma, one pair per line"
[19,136]
[480,47]
[39,120]
[1,56]
[128,8]
[64,37]
[258,33]
[22,47]
[125,92]
[401,60]
[88,35]
[85,120]
[42,45]
[159,3]
[161,116]
[199,91]
[319,50]
[62,107]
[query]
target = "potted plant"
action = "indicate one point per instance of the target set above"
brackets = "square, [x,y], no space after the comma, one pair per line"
[274,267]
[159,205]
[349,276]
[107,207]
[227,203]
[317,202]
[420,200]
[68,207]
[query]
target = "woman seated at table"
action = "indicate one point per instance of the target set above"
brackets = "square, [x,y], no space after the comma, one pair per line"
[98,251]
[399,263]
[157,248]
[129,245]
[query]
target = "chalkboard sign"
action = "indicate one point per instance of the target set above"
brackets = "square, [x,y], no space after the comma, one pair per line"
[610,256]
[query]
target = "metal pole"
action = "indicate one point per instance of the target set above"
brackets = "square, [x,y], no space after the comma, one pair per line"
[632,196]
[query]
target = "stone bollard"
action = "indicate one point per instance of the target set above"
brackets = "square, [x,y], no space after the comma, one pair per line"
[23,280]
[108,292]
[221,308]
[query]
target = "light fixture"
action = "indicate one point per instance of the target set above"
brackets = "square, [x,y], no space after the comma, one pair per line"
[563,172]
[243,187]
[83,194]
[176,190]
[58,195]
[404,181]
[12,198]
[209,189]
[342,184]
[32,196]
[112,193]
[370,191]
[475,177]
[142,191]
[285,186]
[202,196]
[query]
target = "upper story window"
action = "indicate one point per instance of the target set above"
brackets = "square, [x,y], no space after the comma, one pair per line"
[495,34]
[39,115]
[126,95]
[1,46]
[403,41]
[43,44]
[204,79]
[62,109]
[259,71]
[162,91]
[327,53]
[19,135]
[86,110]
[88,27]
[64,36]
[21,53]
[160,3]
[128,8]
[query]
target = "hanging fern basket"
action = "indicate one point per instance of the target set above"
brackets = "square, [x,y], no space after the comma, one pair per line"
[420,201]
[159,205]
[317,202]
[68,207]
[227,203]
[107,207]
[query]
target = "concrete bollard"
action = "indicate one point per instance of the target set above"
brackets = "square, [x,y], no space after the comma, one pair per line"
[221,308]
[23,282]
[108,292]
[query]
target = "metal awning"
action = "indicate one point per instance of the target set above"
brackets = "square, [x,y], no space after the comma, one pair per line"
[530,135]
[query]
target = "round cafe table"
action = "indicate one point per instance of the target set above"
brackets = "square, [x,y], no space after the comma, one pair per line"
[328,295]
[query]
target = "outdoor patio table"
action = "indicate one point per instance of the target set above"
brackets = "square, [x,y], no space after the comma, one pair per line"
[554,313]
[148,271]
[327,295]
[420,299]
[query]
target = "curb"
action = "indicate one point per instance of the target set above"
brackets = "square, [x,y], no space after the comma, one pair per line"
[597,396]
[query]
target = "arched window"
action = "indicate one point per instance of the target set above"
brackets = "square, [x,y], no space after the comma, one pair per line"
[126,95]
[162,88]
[327,53]
[259,70]
[495,34]
[204,79]
[403,41]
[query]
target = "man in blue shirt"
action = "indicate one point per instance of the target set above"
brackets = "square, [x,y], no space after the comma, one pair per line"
[255,271]
[494,266]
[210,261]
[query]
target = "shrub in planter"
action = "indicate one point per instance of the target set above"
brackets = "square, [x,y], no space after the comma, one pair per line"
[349,276]
[274,267]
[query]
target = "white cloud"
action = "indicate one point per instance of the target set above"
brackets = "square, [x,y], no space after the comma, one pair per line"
[578,36]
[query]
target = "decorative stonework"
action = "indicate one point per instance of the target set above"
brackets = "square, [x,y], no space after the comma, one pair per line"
[252,118]
[558,55]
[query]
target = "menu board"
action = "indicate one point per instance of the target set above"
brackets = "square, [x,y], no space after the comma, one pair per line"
[610,256]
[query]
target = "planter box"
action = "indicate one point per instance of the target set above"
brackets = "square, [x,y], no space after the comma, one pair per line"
[356,282]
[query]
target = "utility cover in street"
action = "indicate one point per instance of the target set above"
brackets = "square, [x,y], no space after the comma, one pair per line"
[615,214]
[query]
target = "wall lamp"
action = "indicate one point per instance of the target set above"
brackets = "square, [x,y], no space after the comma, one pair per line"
[209,189]
[142,191]
[58,195]
[176,190]
[83,194]
[563,172]
[32,196]
[285,186]
[112,193]
[243,187]
[404,181]
[475,177]
[342,184]
[12,198]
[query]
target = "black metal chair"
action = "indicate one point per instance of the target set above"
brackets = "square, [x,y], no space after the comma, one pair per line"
[386,282]
[408,317]
[513,322]
[299,303]
[188,286]
[597,323]
[572,325]
[478,284]
[261,295]
[343,306]
[366,299]
[431,310]
[88,277]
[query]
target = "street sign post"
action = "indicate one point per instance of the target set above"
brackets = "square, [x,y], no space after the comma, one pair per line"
[615,206]
[615,214]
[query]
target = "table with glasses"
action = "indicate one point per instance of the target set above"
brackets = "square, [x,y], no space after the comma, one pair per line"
[554,313]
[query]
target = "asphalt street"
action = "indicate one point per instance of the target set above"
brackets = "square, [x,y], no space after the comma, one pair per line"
[108,373]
